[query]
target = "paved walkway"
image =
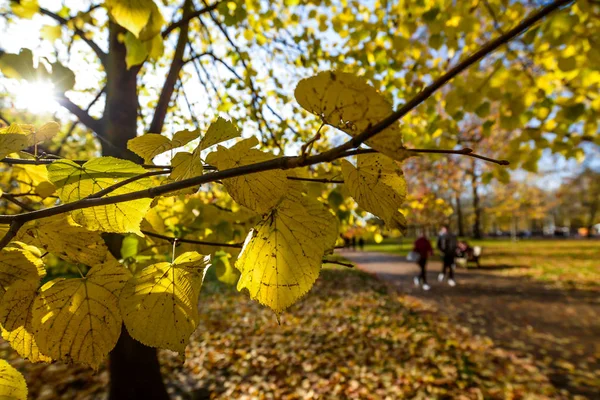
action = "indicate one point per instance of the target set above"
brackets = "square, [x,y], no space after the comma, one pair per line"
[561,328]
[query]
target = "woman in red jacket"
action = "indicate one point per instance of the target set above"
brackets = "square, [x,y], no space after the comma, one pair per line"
[423,248]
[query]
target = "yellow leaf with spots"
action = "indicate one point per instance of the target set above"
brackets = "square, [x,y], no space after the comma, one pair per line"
[378,185]
[61,236]
[350,104]
[75,182]
[150,145]
[78,320]
[12,383]
[160,303]
[259,191]
[281,257]
[16,317]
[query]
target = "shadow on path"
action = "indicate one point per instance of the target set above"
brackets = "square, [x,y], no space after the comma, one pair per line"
[560,328]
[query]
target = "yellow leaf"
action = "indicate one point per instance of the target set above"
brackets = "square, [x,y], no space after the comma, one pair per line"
[75,182]
[219,131]
[61,236]
[34,178]
[45,132]
[154,25]
[12,383]
[15,318]
[18,264]
[281,257]
[78,320]
[378,186]
[51,32]
[258,191]
[12,139]
[223,268]
[25,8]
[186,165]
[160,304]
[150,145]
[348,103]
[133,15]
[17,137]
[155,47]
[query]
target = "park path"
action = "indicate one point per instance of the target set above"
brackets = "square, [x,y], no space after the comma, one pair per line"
[559,327]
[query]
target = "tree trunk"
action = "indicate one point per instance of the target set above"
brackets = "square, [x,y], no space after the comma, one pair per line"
[476,204]
[592,218]
[134,368]
[459,216]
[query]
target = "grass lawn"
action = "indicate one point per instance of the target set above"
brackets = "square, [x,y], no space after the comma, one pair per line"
[565,262]
[348,338]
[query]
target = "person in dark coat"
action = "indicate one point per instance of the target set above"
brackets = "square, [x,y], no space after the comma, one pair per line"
[447,244]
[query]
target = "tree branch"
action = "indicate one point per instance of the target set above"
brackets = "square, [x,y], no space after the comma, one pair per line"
[82,115]
[282,162]
[160,112]
[74,124]
[62,21]
[187,18]
[16,201]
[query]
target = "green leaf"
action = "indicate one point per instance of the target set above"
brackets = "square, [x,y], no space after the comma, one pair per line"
[378,185]
[62,77]
[12,383]
[20,66]
[160,303]
[75,182]
[132,15]
[136,50]
[78,320]
[348,103]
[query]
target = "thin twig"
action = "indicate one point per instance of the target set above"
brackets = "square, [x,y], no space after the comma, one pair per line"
[347,265]
[16,201]
[172,239]
[124,182]
[296,178]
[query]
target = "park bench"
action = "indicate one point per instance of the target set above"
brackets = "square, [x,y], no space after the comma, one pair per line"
[469,256]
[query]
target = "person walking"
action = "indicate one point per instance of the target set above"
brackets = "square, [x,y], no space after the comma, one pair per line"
[447,244]
[422,247]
